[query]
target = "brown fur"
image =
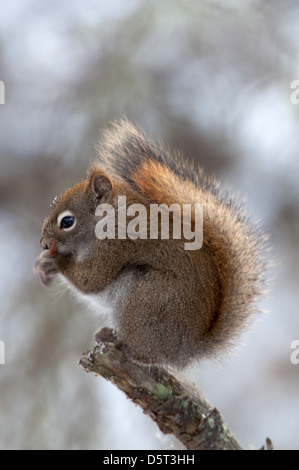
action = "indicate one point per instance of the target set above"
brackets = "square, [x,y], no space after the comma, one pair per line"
[170,306]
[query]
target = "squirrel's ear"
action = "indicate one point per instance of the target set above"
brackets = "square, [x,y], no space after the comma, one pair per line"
[101,186]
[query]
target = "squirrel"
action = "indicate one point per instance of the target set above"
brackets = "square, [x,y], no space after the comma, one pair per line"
[170,306]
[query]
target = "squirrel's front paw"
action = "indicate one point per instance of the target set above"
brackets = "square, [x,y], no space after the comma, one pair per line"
[46,267]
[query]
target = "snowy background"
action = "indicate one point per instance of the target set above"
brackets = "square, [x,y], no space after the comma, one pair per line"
[214,82]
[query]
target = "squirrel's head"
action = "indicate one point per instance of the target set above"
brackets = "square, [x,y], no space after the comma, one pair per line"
[70,225]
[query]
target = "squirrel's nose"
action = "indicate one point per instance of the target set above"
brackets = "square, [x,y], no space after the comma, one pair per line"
[43,244]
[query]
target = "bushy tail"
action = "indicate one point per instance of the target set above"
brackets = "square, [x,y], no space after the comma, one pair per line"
[239,251]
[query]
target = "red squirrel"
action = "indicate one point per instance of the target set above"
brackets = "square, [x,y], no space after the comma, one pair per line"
[169,305]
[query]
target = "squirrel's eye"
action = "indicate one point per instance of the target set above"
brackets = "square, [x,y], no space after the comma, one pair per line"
[66,220]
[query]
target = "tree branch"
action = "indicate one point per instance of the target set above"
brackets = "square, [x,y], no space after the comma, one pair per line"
[176,405]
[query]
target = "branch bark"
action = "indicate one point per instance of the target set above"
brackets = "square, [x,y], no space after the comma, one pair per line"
[176,405]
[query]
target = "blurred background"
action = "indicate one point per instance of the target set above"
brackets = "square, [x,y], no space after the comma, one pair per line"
[211,78]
